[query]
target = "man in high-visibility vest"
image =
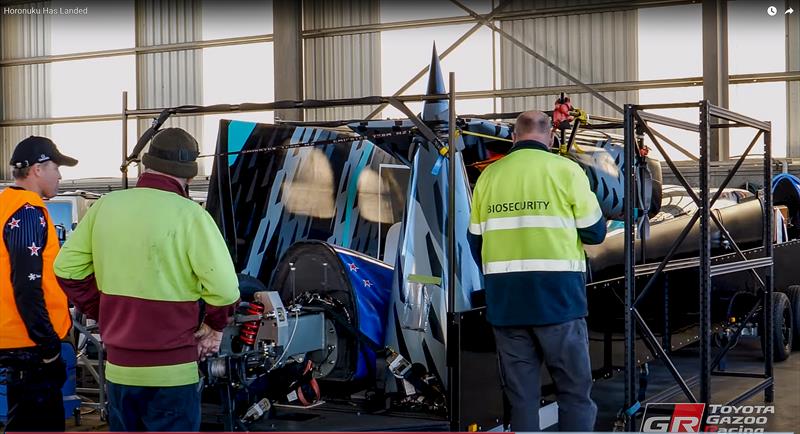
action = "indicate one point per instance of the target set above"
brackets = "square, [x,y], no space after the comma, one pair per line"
[34,315]
[532,211]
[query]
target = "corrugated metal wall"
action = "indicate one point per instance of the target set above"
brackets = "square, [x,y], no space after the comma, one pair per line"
[595,48]
[793,87]
[25,89]
[173,78]
[341,66]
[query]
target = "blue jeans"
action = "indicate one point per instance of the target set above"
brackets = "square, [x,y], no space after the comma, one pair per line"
[137,408]
[564,348]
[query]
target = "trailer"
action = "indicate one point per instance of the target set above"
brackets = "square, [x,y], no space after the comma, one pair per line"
[475,400]
[362,307]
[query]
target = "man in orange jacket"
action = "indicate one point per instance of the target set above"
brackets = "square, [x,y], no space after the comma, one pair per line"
[34,314]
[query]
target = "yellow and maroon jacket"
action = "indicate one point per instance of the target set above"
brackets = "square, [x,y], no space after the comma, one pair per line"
[139,262]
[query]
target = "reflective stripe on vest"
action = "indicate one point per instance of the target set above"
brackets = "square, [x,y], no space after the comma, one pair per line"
[13,333]
[528,221]
[528,208]
[533,265]
[585,222]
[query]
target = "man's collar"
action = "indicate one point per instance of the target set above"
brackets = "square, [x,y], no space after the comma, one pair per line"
[161,182]
[529,144]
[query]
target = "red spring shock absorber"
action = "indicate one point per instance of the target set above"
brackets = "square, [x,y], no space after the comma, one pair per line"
[250,329]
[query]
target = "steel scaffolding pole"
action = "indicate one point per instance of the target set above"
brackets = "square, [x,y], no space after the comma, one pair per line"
[630,264]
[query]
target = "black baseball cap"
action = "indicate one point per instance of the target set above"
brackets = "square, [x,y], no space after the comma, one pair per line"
[37,149]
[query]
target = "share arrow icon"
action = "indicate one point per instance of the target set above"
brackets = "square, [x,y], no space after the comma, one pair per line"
[789,11]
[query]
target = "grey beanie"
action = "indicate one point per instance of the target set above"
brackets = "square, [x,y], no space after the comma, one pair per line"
[173,151]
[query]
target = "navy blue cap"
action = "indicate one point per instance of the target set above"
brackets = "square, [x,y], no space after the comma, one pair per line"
[37,149]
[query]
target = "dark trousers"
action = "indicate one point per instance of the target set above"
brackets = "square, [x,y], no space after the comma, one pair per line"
[136,408]
[564,348]
[35,402]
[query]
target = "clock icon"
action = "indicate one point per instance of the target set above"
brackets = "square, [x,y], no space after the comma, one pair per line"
[772,11]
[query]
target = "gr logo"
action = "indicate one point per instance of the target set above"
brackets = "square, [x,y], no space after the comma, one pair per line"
[672,417]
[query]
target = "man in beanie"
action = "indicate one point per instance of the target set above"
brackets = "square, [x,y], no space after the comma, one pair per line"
[34,316]
[140,261]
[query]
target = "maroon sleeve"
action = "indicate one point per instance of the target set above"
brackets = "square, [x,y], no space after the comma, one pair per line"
[83,294]
[217,316]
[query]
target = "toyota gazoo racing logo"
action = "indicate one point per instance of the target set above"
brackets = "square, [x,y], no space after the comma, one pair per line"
[672,417]
[732,418]
[719,418]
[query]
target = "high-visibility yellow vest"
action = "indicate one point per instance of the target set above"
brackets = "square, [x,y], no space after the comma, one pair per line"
[527,208]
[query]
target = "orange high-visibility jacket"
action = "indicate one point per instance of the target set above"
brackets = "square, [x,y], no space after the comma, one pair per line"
[13,333]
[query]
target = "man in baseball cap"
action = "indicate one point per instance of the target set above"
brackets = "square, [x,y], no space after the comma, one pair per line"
[35,162]
[34,314]
[37,149]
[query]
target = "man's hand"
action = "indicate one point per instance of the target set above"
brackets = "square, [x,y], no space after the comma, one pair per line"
[51,351]
[208,341]
[54,371]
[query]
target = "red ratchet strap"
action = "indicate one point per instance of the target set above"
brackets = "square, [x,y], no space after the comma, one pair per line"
[314,386]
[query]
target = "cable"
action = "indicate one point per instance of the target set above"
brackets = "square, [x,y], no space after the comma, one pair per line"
[296,320]
[288,343]
[10,418]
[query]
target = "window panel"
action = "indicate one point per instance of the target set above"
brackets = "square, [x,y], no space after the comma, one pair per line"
[239,73]
[474,106]
[762,101]
[756,41]
[686,139]
[473,72]
[233,75]
[96,145]
[91,86]
[670,42]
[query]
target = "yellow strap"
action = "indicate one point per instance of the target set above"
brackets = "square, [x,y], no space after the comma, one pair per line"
[562,148]
[445,150]
[581,115]
[485,136]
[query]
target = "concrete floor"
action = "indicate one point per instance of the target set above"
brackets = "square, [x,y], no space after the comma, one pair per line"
[608,394]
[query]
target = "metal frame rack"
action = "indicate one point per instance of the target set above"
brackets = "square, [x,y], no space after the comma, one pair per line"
[636,122]
[95,369]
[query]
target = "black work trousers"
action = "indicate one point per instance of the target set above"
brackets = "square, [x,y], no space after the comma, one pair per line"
[564,348]
[139,408]
[35,402]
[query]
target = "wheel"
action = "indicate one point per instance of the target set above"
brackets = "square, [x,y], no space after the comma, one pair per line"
[781,328]
[793,292]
